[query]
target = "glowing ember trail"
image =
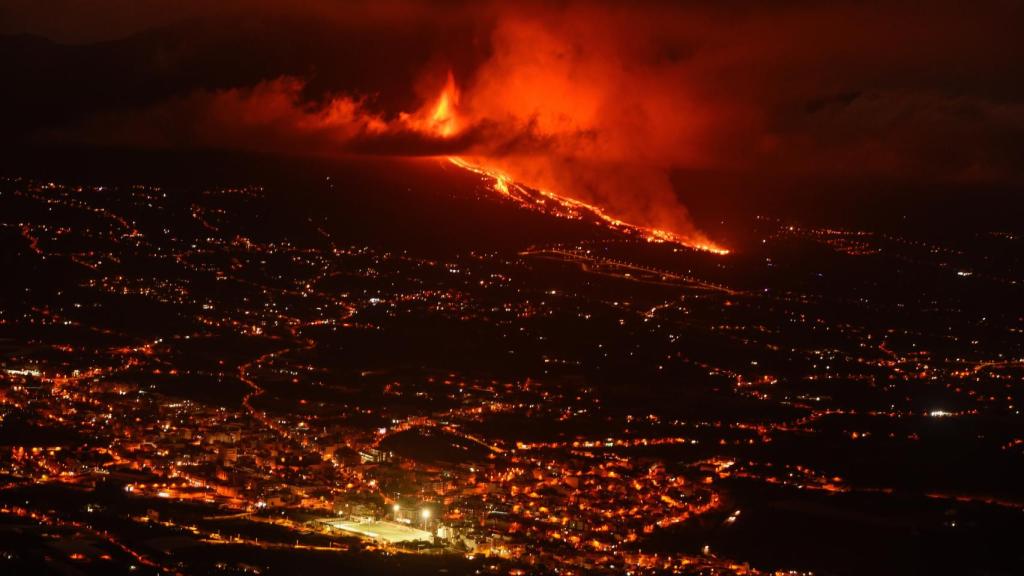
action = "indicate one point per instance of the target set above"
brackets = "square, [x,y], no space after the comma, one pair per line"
[441,119]
[569,208]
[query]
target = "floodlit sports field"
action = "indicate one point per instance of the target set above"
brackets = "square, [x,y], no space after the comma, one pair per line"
[388,531]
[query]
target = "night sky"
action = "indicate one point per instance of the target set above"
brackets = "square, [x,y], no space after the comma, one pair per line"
[641,109]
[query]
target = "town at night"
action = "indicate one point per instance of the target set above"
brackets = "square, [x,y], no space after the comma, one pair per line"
[554,288]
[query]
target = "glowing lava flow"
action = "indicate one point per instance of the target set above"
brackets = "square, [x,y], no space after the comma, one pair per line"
[442,120]
[570,208]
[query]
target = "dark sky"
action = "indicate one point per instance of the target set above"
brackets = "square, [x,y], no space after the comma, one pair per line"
[621,104]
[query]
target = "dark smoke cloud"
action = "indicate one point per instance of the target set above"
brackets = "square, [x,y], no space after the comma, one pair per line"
[85,21]
[270,117]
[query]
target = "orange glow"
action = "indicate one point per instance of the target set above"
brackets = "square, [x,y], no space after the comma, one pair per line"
[443,121]
[438,117]
[500,181]
[442,118]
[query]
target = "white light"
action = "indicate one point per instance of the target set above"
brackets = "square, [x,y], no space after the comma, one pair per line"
[425,513]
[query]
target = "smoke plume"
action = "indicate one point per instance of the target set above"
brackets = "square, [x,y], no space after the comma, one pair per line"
[607,102]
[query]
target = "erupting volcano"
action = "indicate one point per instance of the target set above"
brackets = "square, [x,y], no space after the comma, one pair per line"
[441,119]
[400,287]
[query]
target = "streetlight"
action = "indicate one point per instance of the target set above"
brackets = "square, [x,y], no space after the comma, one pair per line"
[425,513]
[395,509]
